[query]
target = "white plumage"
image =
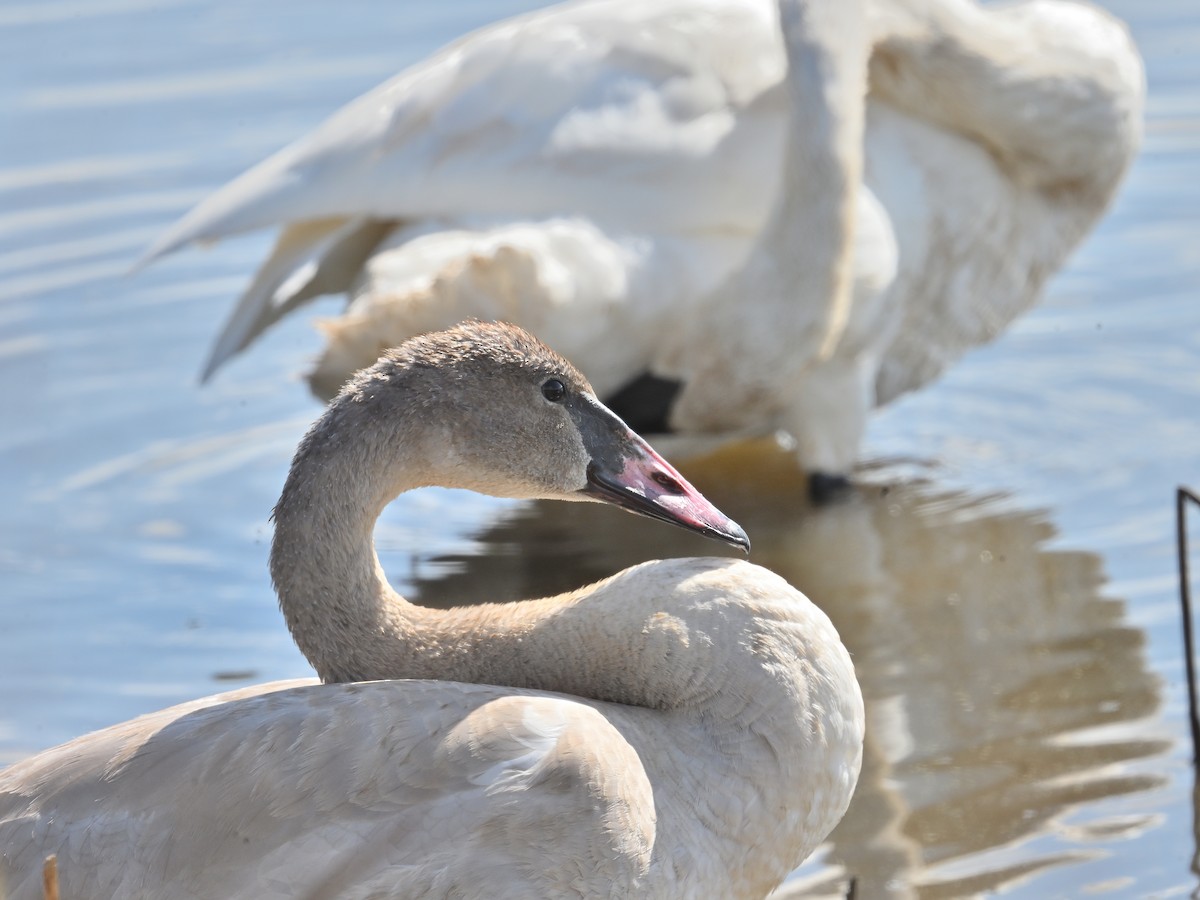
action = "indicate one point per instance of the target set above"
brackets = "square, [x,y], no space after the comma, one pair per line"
[605,172]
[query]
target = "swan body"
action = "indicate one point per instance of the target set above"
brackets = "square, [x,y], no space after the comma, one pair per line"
[563,747]
[608,174]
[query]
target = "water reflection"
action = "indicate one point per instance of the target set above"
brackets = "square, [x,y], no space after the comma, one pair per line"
[1004,691]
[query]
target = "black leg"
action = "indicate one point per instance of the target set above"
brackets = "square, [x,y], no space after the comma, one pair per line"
[824,488]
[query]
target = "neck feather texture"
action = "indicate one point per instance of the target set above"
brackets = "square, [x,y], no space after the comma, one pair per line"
[352,625]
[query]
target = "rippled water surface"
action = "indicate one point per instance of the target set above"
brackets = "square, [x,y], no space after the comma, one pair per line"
[1005,580]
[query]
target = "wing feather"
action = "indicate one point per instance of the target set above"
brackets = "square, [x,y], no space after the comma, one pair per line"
[399,787]
[577,107]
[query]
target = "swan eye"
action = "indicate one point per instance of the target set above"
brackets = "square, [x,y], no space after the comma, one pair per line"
[553,390]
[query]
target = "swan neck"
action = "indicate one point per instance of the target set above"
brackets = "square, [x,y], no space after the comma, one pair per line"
[827,49]
[353,626]
[807,244]
[623,640]
[331,587]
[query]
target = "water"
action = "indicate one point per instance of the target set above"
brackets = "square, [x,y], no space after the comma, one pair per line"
[1005,582]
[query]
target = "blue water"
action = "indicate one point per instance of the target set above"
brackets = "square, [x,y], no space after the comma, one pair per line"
[1006,582]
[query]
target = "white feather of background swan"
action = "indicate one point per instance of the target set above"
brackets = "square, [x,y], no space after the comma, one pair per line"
[602,171]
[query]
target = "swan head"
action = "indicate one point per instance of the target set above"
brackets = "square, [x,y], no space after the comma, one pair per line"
[487,407]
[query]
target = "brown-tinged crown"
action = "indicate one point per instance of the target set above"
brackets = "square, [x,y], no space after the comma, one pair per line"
[469,345]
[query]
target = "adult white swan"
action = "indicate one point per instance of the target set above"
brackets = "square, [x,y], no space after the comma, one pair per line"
[600,172]
[686,728]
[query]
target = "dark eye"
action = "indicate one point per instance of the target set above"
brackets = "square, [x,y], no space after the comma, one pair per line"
[553,390]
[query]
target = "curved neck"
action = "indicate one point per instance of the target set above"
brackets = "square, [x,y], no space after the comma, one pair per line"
[331,587]
[353,626]
[624,640]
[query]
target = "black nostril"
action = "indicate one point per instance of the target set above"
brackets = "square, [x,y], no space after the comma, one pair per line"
[668,483]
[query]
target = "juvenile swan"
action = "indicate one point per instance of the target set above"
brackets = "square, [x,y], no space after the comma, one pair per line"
[686,728]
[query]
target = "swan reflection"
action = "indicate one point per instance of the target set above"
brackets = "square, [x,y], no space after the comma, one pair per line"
[1004,690]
